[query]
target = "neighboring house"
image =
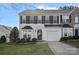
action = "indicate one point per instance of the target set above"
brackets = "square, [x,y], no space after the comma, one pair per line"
[5,30]
[49,25]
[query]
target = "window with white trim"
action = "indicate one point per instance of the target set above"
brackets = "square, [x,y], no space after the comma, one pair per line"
[65,19]
[76,19]
[55,19]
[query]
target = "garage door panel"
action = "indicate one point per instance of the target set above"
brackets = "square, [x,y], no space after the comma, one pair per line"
[53,35]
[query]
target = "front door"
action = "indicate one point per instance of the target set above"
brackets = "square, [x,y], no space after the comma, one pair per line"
[39,34]
[76,32]
[25,36]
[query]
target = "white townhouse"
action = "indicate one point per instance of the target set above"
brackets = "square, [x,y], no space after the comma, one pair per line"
[49,25]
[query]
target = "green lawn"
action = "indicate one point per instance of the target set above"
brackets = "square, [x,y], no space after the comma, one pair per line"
[29,49]
[73,43]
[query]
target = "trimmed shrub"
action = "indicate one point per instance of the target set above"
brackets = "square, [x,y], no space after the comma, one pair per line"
[29,38]
[68,38]
[76,37]
[3,39]
[22,40]
[34,39]
[63,39]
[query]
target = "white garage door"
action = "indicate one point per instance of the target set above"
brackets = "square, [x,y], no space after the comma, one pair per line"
[53,35]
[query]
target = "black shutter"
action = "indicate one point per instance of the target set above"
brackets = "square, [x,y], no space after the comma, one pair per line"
[26,19]
[49,19]
[36,19]
[60,18]
[57,19]
[29,19]
[44,19]
[70,18]
[20,19]
[52,19]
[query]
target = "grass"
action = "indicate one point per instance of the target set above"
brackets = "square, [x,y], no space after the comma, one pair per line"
[30,49]
[73,43]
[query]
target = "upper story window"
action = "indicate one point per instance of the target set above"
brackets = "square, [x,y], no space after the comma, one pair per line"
[43,19]
[50,19]
[55,19]
[27,19]
[31,19]
[39,19]
[35,19]
[20,19]
[65,19]
[76,19]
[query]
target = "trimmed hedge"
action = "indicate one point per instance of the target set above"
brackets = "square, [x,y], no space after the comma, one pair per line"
[69,38]
[34,39]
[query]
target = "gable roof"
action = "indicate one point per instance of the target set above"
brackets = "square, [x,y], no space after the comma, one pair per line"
[41,11]
[66,25]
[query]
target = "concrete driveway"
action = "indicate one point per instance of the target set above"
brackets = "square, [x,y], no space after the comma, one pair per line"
[60,48]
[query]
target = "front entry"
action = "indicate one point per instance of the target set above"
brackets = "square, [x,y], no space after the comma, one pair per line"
[39,34]
[76,32]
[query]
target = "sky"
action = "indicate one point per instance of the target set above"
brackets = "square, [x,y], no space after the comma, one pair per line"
[9,11]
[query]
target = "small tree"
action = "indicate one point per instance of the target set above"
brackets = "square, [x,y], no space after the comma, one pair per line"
[14,34]
[3,39]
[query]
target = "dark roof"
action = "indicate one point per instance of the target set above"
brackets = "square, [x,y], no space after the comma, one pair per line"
[52,25]
[67,25]
[27,27]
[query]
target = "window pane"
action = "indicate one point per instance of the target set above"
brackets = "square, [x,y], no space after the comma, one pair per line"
[76,19]
[54,19]
[43,19]
[35,19]
[50,19]
[65,19]
[27,19]
[20,19]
